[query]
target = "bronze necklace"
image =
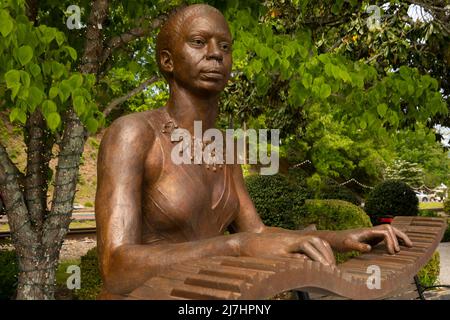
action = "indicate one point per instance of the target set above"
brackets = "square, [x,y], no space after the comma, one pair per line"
[170,125]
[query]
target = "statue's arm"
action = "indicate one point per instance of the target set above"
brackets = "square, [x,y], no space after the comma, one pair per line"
[125,262]
[361,240]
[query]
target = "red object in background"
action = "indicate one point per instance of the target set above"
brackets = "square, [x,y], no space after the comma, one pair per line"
[386,219]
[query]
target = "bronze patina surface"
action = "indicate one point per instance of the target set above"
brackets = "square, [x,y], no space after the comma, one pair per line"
[152,214]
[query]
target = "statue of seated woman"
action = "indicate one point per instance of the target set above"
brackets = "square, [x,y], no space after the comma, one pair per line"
[152,213]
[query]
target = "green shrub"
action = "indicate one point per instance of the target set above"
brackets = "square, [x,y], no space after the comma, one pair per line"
[446,237]
[392,197]
[427,213]
[332,190]
[9,271]
[447,206]
[429,274]
[277,199]
[333,215]
[91,281]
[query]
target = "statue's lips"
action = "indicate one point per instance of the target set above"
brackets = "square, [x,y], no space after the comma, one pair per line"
[211,75]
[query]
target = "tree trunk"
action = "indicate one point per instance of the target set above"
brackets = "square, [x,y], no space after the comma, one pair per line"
[38,233]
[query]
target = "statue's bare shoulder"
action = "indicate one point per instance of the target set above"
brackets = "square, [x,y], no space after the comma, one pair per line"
[131,134]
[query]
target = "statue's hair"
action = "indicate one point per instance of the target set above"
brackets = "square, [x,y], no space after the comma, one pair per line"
[171,28]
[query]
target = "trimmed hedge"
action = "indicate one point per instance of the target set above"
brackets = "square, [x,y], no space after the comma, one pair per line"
[9,271]
[333,215]
[277,199]
[332,190]
[91,280]
[392,197]
[447,206]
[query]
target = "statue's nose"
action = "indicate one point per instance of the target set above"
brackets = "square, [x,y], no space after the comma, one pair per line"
[214,52]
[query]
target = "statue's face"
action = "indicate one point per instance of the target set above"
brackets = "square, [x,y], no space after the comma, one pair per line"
[201,56]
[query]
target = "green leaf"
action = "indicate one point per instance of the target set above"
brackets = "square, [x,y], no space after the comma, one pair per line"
[72,52]
[64,90]
[6,23]
[15,91]
[25,78]
[57,69]
[75,81]
[325,91]
[381,109]
[53,120]
[79,105]
[53,92]
[12,78]
[35,70]
[24,54]
[48,107]
[60,38]
[18,114]
[92,125]
[363,124]
[35,97]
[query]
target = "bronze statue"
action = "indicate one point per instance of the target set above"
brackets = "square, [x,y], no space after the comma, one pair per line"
[152,213]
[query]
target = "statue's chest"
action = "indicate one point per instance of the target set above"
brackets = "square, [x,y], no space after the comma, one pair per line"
[188,201]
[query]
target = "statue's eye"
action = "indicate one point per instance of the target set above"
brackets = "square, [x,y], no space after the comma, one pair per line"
[225,46]
[198,42]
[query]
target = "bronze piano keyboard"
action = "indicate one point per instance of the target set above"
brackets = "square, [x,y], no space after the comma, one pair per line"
[261,278]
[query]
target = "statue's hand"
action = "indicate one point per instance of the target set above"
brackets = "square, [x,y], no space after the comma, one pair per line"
[288,245]
[362,239]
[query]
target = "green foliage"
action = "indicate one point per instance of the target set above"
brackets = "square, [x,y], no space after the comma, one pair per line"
[332,190]
[9,271]
[277,199]
[410,173]
[429,274]
[447,206]
[39,69]
[333,215]
[392,197]
[91,281]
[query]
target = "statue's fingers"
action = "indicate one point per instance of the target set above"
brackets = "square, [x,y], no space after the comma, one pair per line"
[402,236]
[308,249]
[393,237]
[388,240]
[299,256]
[325,248]
[357,246]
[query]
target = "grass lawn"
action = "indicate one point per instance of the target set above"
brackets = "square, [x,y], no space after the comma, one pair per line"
[431,205]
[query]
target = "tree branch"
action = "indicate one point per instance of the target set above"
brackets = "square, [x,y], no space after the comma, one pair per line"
[116,102]
[90,62]
[16,210]
[129,36]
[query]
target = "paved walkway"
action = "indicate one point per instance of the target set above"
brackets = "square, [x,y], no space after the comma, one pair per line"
[444,251]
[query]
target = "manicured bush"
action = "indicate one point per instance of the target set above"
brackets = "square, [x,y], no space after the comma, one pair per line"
[392,197]
[446,237]
[332,190]
[9,271]
[429,274]
[277,199]
[91,281]
[447,206]
[333,215]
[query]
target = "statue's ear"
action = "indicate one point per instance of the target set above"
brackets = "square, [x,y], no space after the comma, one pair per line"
[166,61]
